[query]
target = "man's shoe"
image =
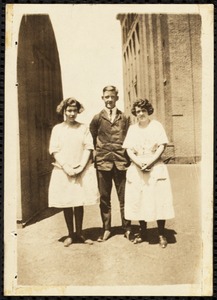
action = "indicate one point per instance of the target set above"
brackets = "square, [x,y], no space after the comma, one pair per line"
[68,241]
[81,239]
[105,236]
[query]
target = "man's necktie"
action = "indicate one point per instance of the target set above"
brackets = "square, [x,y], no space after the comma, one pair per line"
[110,115]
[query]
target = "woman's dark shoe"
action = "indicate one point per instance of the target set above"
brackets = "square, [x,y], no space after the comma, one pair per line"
[128,235]
[141,237]
[162,241]
[68,241]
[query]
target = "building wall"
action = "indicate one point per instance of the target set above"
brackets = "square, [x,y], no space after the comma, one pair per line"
[39,92]
[162,62]
[185,70]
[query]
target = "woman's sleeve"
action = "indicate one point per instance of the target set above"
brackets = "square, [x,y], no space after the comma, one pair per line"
[161,135]
[54,141]
[94,128]
[88,140]
[129,140]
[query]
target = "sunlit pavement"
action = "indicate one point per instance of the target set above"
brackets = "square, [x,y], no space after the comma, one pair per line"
[43,260]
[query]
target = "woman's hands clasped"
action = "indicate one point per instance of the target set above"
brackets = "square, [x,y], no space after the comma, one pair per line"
[70,171]
[143,165]
[77,170]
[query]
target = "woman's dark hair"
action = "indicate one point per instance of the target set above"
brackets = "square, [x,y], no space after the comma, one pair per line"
[69,102]
[143,104]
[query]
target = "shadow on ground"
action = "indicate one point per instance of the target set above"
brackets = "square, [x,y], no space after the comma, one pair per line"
[44,214]
[152,234]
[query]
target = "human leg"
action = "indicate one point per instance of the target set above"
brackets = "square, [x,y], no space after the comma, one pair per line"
[142,235]
[162,238]
[105,186]
[79,213]
[68,216]
[161,226]
[120,181]
[143,228]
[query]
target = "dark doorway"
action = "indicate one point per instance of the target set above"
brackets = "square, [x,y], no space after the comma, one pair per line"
[39,92]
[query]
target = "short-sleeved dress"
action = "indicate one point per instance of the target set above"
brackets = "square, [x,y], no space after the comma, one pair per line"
[64,190]
[148,195]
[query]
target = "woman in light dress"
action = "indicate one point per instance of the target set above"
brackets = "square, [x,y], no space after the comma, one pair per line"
[148,195]
[73,182]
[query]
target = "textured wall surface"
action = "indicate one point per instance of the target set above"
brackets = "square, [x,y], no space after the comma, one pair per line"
[162,62]
[39,92]
[185,70]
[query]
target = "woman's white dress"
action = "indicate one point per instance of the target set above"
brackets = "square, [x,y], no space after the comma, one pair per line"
[66,191]
[148,195]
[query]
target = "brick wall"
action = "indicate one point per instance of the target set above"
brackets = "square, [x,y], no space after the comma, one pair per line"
[162,62]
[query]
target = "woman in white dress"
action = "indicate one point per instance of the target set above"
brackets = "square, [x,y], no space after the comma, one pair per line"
[73,182]
[148,195]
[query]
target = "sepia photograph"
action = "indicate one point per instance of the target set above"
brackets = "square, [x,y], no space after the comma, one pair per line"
[108,150]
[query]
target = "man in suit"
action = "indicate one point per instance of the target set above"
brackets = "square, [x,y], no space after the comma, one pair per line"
[109,129]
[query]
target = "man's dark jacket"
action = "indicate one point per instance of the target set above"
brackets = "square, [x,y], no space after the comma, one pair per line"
[108,138]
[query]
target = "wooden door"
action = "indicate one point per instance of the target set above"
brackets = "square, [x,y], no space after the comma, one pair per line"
[39,92]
